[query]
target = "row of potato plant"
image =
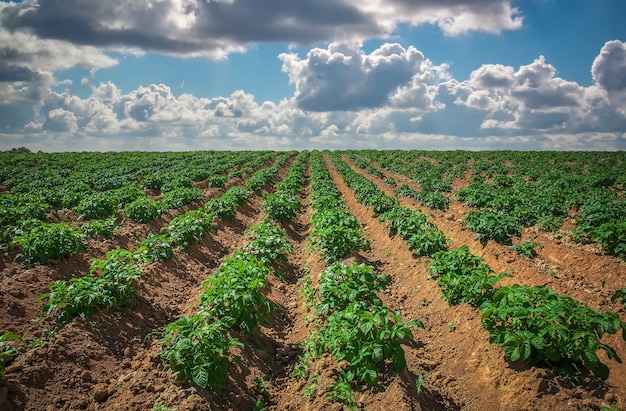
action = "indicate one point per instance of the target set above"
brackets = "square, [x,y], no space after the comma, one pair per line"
[534,324]
[337,233]
[40,241]
[107,182]
[351,323]
[199,348]
[110,281]
[513,190]
[423,236]
[283,204]
[355,328]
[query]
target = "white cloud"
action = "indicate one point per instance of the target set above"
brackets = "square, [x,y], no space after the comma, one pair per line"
[217,28]
[343,77]
[609,72]
[28,63]
[421,106]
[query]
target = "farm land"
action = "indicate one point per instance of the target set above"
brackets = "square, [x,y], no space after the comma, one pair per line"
[359,279]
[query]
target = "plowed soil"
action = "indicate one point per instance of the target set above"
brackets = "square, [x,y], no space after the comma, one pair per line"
[110,361]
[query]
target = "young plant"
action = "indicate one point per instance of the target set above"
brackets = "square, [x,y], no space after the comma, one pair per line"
[490,225]
[108,284]
[198,349]
[464,277]
[45,241]
[337,234]
[7,351]
[99,228]
[268,242]
[526,249]
[142,210]
[538,325]
[233,293]
[156,247]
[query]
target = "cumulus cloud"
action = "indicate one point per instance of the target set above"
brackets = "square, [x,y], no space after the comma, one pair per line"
[531,98]
[343,77]
[219,27]
[418,105]
[28,63]
[609,72]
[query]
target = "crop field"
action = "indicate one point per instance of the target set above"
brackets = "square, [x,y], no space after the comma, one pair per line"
[361,279]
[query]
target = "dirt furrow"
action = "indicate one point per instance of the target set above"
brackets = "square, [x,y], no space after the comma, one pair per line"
[464,365]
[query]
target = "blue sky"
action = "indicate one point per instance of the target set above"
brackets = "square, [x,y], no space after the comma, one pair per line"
[276,74]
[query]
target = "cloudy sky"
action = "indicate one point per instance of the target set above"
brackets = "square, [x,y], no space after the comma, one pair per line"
[175,75]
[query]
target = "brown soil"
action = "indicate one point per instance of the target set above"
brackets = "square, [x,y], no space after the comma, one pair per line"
[111,360]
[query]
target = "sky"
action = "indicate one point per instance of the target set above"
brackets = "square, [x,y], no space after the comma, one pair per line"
[186,75]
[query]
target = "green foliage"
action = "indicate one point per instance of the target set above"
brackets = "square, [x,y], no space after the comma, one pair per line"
[44,241]
[358,331]
[180,196]
[108,284]
[337,234]
[464,277]
[621,293]
[142,210]
[268,243]
[233,293]
[431,199]
[99,228]
[156,247]
[612,238]
[423,236]
[341,285]
[526,249]
[216,181]
[281,206]
[490,225]
[7,351]
[198,349]
[190,227]
[427,241]
[224,206]
[96,206]
[538,325]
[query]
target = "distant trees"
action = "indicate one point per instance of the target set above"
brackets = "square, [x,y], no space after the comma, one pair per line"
[17,150]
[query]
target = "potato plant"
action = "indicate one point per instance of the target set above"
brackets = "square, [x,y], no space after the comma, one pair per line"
[108,284]
[355,328]
[41,242]
[6,350]
[539,326]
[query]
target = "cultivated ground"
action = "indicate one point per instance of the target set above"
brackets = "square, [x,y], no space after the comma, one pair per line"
[111,360]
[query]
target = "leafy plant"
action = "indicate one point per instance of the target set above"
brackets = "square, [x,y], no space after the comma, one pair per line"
[198,349]
[621,293]
[156,247]
[233,293]
[7,351]
[142,210]
[180,196]
[108,284]
[526,249]
[96,206]
[464,277]
[490,225]
[538,325]
[281,206]
[99,228]
[269,243]
[427,241]
[44,241]
[190,227]
[337,234]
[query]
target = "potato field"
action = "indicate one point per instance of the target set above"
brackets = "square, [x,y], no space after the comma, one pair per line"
[313,280]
